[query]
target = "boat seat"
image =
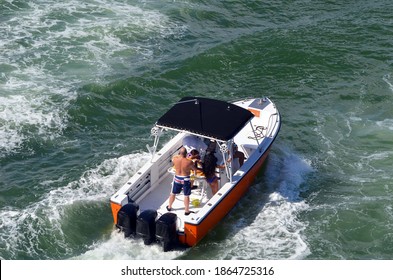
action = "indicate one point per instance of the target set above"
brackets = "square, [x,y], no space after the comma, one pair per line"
[248,149]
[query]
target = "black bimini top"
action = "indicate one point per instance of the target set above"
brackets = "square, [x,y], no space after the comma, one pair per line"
[206,117]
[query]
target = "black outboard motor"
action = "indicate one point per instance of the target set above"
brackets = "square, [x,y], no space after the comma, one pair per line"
[146,226]
[166,231]
[126,218]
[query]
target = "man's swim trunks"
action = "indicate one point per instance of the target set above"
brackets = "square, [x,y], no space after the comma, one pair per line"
[181,182]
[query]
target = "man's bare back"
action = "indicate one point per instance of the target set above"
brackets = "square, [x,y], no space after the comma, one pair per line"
[182,165]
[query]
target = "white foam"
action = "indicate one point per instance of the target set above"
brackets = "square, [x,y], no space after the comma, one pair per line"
[18,112]
[119,248]
[387,79]
[385,124]
[276,231]
[44,217]
[51,47]
[27,106]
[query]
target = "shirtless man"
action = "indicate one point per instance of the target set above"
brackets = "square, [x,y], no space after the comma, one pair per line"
[183,167]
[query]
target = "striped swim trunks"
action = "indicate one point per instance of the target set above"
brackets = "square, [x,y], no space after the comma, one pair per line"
[181,183]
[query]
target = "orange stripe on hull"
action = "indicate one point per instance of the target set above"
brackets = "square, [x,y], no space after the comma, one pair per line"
[115,208]
[256,113]
[194,233]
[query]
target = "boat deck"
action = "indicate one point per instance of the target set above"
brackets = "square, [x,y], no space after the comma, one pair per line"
[158,199]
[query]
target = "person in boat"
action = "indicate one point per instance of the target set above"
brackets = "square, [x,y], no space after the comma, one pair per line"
[209,166]
[210,163]
[181,180]
[238,157]
[195,157]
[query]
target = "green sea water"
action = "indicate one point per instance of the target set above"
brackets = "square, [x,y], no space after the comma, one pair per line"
[82,83]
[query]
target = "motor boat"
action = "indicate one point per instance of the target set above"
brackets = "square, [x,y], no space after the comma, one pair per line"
[248,126]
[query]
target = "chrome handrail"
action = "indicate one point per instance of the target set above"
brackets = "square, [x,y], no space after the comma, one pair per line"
[272,122]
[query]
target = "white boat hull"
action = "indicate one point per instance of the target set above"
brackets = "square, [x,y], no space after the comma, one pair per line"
[150,187]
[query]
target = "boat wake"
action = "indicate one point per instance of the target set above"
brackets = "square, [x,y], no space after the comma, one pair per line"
[116,247]
[48,228]
[387,79]
[271,228]
[276,232]
[61,222]
[47,58]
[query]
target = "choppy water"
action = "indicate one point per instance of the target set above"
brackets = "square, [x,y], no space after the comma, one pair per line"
[82,82]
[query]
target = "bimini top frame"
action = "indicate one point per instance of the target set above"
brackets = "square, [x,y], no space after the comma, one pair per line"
[216,120]
[209,118]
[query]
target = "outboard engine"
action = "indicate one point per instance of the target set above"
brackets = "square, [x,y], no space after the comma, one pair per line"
[166,231]
[126,218]
[146,226]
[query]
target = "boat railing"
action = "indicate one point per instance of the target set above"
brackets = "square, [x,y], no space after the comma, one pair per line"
[272,124]
[140,187]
